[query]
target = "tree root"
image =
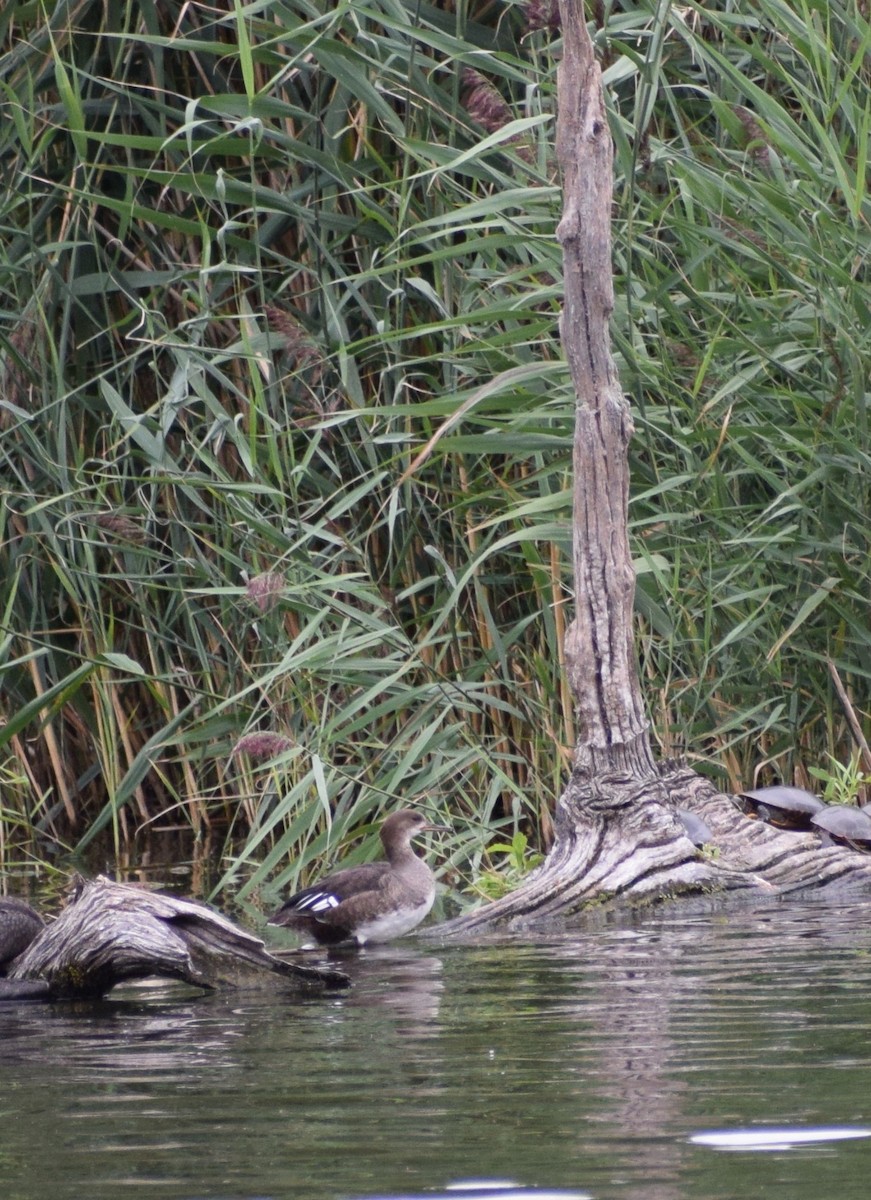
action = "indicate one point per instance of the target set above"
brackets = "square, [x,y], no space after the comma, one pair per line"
[626,844]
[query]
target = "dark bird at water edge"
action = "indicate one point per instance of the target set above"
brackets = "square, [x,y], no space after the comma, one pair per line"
[19,925]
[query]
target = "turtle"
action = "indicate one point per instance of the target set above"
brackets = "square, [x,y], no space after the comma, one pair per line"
[785,807]
[696,829]
[845,824]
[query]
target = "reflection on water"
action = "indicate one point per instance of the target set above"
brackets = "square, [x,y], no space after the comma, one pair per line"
[489,1190]
[590,1063]
[771,1137]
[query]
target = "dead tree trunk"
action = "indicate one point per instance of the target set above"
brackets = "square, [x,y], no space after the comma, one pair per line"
[617,833]
[111,933]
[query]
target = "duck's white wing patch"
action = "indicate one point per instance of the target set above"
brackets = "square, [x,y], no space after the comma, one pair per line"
[317,902]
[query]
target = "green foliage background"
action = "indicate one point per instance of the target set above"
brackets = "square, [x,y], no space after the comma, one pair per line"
[285,428]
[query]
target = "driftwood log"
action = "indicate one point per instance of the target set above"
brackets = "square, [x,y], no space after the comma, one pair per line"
[110,933]
[617,833]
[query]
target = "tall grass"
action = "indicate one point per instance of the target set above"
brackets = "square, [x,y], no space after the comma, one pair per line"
[746,348]
[284,469]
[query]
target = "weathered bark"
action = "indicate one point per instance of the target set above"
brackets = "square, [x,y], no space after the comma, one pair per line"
[599,649]
[111,933]
[617,833]
[637,855]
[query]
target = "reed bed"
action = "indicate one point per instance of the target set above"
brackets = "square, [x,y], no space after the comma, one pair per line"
[285,428]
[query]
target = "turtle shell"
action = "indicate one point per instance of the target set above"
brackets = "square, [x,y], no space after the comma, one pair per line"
[696,829]
[845,824]
[786,807]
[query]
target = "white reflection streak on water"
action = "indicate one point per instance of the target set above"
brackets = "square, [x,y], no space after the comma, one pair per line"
[772,1138]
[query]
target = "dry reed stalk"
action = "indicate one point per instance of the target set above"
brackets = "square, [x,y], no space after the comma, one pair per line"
[54,752]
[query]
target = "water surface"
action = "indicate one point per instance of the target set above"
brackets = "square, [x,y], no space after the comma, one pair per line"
[585,1062]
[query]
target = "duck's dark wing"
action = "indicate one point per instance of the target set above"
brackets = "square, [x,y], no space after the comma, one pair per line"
[316,905]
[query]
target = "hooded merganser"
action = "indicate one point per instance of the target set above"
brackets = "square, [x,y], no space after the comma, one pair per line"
[371,903]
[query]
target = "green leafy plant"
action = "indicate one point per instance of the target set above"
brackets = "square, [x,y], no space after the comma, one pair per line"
[843,782]
[515,861]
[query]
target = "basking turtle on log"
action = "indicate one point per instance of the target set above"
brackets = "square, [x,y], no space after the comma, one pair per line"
[110,933]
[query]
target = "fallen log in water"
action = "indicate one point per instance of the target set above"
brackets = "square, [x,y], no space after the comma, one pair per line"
[111,932]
